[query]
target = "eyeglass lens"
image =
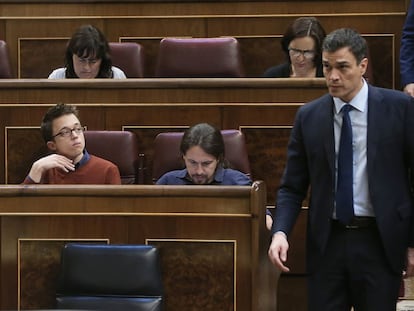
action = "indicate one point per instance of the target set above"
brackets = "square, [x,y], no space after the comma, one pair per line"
[305,53]
[66,132]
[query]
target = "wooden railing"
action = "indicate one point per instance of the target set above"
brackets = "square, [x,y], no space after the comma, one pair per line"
[208,233]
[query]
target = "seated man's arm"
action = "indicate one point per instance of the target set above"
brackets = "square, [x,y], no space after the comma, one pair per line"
[51,161]
[114,177]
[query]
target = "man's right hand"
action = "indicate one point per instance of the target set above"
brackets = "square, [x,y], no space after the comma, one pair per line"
[48,162]
[278,251]
[409,89]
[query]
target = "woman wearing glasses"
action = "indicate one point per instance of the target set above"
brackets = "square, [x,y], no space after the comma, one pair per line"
[69,162]
[301,43]
[87,57]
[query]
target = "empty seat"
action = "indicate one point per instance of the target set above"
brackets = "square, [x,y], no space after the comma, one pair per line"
[199,57]
[110,277]
[167,155]
[5,67]
[119,147]
[129,57]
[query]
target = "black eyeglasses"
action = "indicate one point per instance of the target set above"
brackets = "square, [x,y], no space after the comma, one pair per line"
[67,132]
[308,54]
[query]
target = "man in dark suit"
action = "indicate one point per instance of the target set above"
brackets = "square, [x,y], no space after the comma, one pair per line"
[407,52]
[356,252]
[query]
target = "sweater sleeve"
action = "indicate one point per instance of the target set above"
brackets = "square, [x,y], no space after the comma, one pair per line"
[113,176]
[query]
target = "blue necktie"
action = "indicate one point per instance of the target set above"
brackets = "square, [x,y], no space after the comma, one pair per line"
[344,190]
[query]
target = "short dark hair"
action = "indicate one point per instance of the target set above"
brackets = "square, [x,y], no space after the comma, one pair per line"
[46,127]
[346,37]
[207,137]
[307,26]
[88,41]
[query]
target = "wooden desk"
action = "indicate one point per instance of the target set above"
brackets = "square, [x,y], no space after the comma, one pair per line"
[213,240]
[168,90]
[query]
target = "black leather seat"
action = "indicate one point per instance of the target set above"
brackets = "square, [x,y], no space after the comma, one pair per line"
[110,277]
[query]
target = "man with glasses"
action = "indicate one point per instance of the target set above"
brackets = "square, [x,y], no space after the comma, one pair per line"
[69,163]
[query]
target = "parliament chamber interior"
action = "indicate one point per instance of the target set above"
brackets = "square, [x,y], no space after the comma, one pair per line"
[213,242]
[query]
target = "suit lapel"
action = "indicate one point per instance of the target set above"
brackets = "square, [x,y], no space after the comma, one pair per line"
[327,121]
[376,113]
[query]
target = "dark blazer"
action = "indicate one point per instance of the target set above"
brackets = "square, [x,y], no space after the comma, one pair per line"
[407,48]
[311,162]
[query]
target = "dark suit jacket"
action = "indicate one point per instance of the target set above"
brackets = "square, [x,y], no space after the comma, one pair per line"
[390,156]
[407,48]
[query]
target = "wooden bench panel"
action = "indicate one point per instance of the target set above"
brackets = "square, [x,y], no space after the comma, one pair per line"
[221,229]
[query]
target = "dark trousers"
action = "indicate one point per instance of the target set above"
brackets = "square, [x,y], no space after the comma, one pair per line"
[354,273]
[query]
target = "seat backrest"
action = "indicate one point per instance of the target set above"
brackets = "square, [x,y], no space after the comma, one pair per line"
[5,67]
[128,56]
[119,147]
[199,57]
[167,155]
[110,277]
